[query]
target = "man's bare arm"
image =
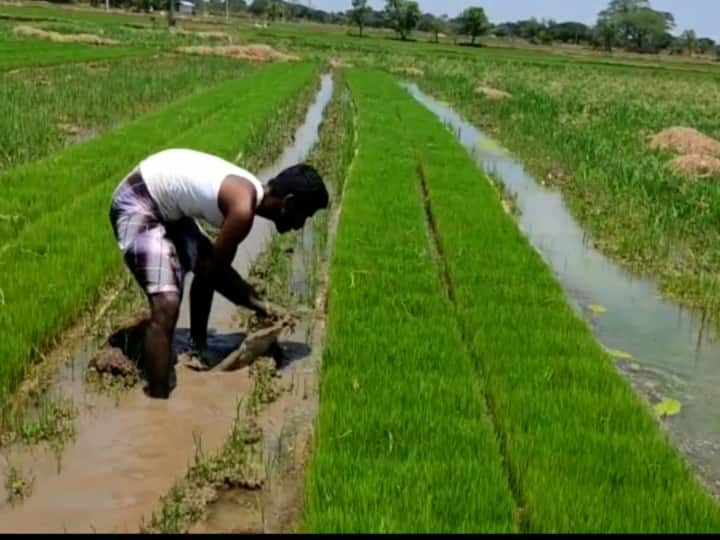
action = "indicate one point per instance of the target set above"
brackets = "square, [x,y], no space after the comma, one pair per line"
[237,200]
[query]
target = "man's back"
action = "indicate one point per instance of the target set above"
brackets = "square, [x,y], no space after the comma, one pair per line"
[186,183]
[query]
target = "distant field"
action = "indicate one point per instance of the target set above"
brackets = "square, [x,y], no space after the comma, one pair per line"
[49,12]
[32,53]
[53,107]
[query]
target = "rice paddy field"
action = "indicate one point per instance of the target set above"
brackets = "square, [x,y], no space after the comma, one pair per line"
[509,309]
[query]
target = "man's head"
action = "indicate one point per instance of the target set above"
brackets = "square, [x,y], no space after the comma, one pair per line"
[293,196]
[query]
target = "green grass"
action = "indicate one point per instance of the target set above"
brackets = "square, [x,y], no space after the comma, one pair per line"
[84,166]
[40,12]
[34,52]
[51,108]
[54,266]
[589,129]
[584,452]
[403,442]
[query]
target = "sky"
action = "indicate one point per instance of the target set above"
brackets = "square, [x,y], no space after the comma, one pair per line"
[701,15]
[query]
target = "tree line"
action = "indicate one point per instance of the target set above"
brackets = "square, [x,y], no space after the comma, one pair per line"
[632,25]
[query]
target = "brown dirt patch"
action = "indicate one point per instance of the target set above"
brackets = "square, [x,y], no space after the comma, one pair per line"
[70,129]
[31,31]
[685,141]
[339,63]
[112,361]
[209,34]
[254,53]
[492,93]
[409,71]
[696,166]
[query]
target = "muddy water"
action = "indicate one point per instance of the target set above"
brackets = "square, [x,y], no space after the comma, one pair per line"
[130,450]
[675,353]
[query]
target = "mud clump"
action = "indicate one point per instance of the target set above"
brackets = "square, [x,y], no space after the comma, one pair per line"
[254,53]
[31,31]
[112,361]
[685,141]
[339,63]
[492,94]
[696,166]
[18,485]
[698,156]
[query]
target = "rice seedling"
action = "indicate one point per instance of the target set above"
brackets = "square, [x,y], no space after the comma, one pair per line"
[33,52]
[403,440]
[583,452]
[50,108]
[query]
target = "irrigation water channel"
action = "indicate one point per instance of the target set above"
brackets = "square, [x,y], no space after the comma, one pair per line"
[127,454]
[676,354]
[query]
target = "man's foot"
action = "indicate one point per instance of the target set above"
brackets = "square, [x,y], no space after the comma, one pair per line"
[200,351]
[157,393]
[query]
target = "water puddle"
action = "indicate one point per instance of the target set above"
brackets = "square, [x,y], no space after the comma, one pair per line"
[130,450]
[674,350]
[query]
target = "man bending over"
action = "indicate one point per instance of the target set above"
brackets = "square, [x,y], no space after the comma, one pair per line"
[153,214]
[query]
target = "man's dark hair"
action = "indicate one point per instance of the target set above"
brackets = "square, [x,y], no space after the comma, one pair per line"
[304,183]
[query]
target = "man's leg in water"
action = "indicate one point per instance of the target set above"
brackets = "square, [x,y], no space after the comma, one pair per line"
[226,282]
[164,308]
[201,296]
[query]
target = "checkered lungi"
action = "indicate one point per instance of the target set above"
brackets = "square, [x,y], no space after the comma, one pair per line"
[158,253]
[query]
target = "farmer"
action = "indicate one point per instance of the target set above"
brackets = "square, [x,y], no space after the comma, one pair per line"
[153,216]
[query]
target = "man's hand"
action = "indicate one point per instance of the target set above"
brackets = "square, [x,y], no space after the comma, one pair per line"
[267,310]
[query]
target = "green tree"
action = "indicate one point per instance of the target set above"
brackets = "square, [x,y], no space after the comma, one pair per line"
[259,7]
[171,12]
[644,26]
[276,10]
[403,16]
[359,13]
[705,45]
[606,33]
[639,26]
[474,23]
[689,41]
[569,32]
[433,25]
